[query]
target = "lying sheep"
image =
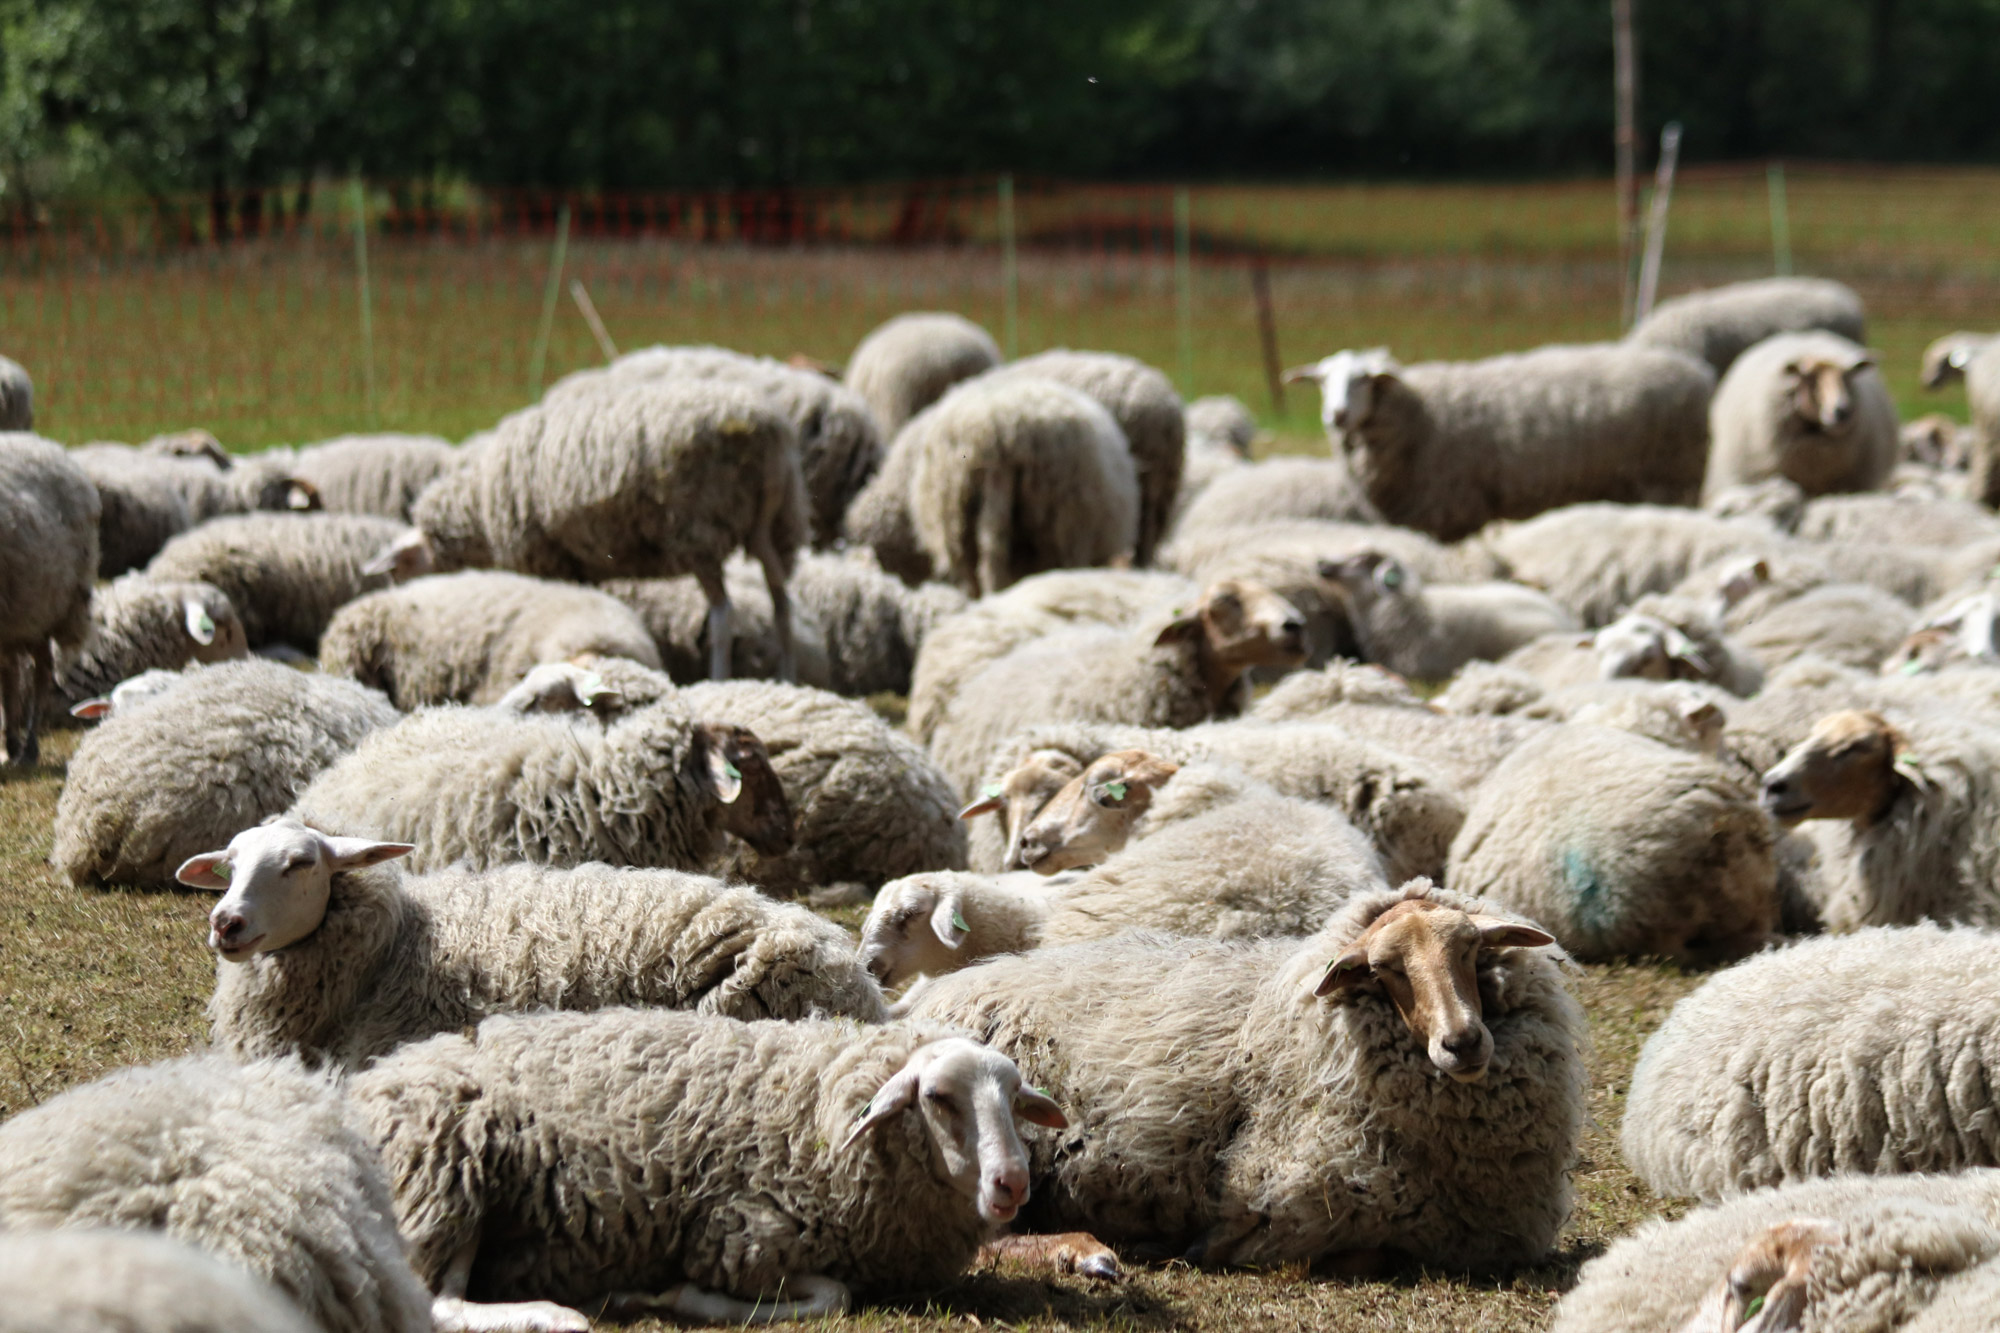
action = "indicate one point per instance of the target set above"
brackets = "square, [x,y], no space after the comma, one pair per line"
[1975,358]
[48,562]
[1305,694]
[1278,489]
[908,362]
[252,1165]
[1811,407]
[1848,623]
[138,624]
[1864,1054]
[373,474]
[1030,780]
[698,1167]
[1220,430]
[654,788]
[468,637]
[1464,750]
[17,397]
[326,951]
[636,478]
[1256,1102]
[1622,847]
[90,1281]
[1489,689]
[155,785]
[1885,520]
[1428,631]
[1446,447]
[1720,324]
[1632,647]
[1906,811]
[153,493]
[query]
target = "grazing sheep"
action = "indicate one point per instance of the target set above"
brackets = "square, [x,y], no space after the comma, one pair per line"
[638,478]
[87,1281]
[1718,325]
[1908,829]
[286,574]
[1848,623]
[155,785]
[684,1165]
[17,397]
[868,804]
[1426,631]
[1446,447]
[1275,490]
[1407,1077]
[653,787]
[326,952]
[373,474]
[251,1164]
[1868,1053]
[880,520]
[138,624]
[1622,847]
[48,562]
[906,363]
[1975,358]
[468,637]
[1170,669]
[1810,407]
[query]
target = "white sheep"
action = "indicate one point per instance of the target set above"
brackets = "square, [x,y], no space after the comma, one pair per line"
[1220,431]
[1410,1076]
[1848,623]
[1621,846]
[1446,447]
[1720,324]
[1810,407]
[1277,489]
[95,1281]
[1886,520]
[161,489]
[1462,748]
[17,397]
[698,1167]
[908,362]
[1426,631]
[373,474]
[326,951]
[48,562]
[1975,358]
[154,785]
[1868,1053]
[139,624]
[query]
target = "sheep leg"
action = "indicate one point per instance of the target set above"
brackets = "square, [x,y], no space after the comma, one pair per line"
[993,534]
[452,1313]
[19,678]
[766,554]
[818,1297]
[1066,1252]
[717,593]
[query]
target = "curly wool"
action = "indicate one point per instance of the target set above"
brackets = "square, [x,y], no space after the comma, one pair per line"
[286,574]
[1897,520]
[145,503]
[126,1282]
[1755,429]
[373,474]
[1720,324]
[139,624]
[399,958]
[251,1164]
[48,546]
[150,788]
[637,1149]
[1464,750]
[908,362]
[1215,1094]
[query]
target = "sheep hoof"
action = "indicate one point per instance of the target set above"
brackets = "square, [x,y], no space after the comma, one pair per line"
[1076,1252]
[449,1314]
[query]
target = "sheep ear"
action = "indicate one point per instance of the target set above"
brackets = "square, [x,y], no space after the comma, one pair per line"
[210,870]
[91,709]
[1683,649]
[992,800]
[1038,1108]
[891,1099]
[1495,933]
[200,627]
[385,560]
[1301,374]
[355,853]
[301,495]
[724,776]
[1905,762]
[1151,771]
[1344,973]
[948,922]
[1185,630]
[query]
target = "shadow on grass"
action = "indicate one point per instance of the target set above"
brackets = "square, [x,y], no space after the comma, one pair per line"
[1011,1297]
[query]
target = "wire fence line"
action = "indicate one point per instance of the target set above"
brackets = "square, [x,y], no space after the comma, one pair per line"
[250,319]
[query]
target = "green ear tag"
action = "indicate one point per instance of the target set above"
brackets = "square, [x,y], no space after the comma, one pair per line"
[991,791]
[958,922]
[206,625]
[730,769]
[1750,1311]
[866,1106]
[1913,667]
[1115,790]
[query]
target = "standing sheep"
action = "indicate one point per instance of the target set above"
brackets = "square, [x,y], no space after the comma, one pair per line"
[1810,407]
[1446,447]
[17,397]
[1720,324]
[48,562]
[1428,631]
[373,474]
[138,624]
[908,362]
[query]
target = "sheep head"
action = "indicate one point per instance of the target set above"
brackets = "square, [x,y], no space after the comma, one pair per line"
[275,881]
[1639,646]
[1935,440]
[1349,384]
[1369,577]
[971,1098]
[212,638]
[561,687]
[1425,956]
[1237,625]
[1020,795]
[410,556]
[1092,817]
[1945,359]
[1821,390]
[1852,765]
[750,801]
[917,927]
[195,443]
[1768,1283]
[1968,629]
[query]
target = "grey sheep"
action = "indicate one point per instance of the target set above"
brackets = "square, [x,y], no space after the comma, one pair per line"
[91,1281]
[1892,520]
[1848,623]
[1810,407]
[880,519]
[684,1165]
[1220,430]
[1446,447]
[286,574]
[152,786]
[326,951]
[1426,631]
[908,362]
[139,624]
[1720,324]
[635,478]
[468,637]
[17,397]
[1975,358]
[153,493]
[373,474]
[48,562]
[1278,489]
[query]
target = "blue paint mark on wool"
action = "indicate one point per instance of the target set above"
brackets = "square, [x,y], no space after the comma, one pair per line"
[1589,895]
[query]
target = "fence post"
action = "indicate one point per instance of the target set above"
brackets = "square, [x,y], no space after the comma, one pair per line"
[1010,274]
[581,296]
[1184,286]
[1625,142]
[367,312]
[541,355]
[1656,226]
[1781,223]
[1267,332]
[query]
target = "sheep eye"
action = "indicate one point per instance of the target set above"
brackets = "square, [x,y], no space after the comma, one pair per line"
[942,1100]
[298,863]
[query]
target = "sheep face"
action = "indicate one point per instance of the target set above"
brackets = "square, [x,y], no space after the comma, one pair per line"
[1945,359]
[1425,957]
[1822,392]
[1347,386]
[410,556]
[1368,578]
[1969,629]
[916,927]
[1769,1281]
[275,880]
[1022,794]
[1092,817]
[1849,767]
[1647,648]
[970,1097]
[1240,625]
[750,801]
[211,639]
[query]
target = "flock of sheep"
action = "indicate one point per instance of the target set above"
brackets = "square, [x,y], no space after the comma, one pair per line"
[1197,931]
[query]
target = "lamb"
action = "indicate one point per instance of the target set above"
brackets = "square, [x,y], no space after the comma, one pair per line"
[654,787]
[1975,358]
[1446,447]
[907,363]
[696,1166]
[1260,1102]
[1780,1070]
[17,397]
[1278,489]
[286,574]
[138,624]
[1909,830]
[373,474]
[1720,324]
[1811,407]
[468,637]
[252,1165]
[1171,669]
[1622,847]
[48,562]
[155,785]
[326,951]
[636,478]
[1428,631]
[124,1282]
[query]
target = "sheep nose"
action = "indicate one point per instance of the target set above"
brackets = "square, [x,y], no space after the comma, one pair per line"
[228,926]
[1777,788]
[1011,1185]
[878,968]
[1293,629]
[1465,1045]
